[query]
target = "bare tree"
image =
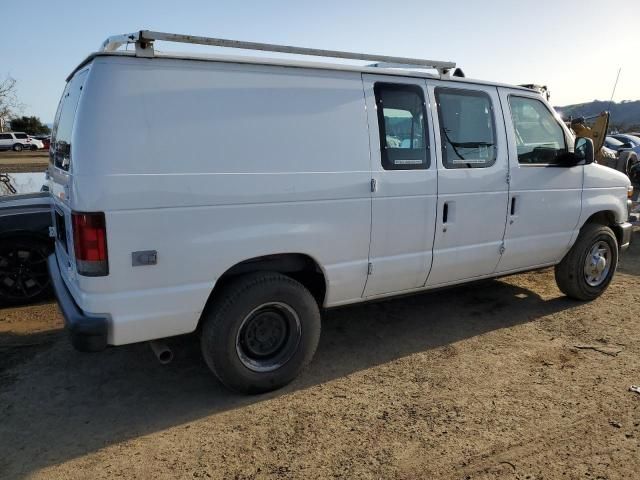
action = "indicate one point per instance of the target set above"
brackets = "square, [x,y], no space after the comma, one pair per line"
[9,103]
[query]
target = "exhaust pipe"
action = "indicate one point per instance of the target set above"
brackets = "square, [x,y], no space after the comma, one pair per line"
[163,353]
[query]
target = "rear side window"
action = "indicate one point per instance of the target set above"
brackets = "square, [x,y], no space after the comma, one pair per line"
[60,152]
[402,122]
[21,136]
[5,136]
[539,137]
[467,128]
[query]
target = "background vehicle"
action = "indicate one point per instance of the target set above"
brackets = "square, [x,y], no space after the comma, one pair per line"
[626,157]
[24,247]
[18,141]
[629,141]
[322,185]
[610,152]
[45,139]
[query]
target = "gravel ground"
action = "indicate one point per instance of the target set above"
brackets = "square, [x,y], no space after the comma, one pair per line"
[503,379]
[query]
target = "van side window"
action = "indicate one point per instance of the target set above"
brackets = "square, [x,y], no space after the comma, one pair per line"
[21,136]
[401,120]
[5,136]
[539,137]
[467,128]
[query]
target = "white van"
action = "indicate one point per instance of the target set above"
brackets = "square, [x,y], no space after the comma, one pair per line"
[318,185]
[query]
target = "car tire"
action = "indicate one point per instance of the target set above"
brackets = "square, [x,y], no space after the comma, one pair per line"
[260,332]
[587,269]
[24,277]
[33,147]
[17,147]
[631,161]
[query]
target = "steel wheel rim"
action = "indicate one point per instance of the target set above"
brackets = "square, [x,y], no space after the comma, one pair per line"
[268,337]
[23,272]
[597,265]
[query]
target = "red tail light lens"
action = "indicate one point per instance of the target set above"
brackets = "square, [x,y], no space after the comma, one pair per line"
[90,244]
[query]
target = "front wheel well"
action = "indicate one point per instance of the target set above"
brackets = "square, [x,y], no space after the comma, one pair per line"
[608,219]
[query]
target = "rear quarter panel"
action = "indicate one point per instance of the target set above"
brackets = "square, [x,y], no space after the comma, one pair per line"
[211,164]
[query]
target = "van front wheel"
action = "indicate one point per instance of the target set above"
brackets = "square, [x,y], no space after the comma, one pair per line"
[586,271]
[260,333]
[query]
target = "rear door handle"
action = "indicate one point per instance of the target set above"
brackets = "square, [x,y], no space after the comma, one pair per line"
[445,212]
[513,206]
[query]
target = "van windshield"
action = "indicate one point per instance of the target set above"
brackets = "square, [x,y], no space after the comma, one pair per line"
[60,152]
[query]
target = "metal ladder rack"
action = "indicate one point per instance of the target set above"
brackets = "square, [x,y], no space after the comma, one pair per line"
[144,39]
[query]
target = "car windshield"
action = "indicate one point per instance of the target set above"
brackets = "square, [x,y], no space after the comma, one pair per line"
[613,143]
[635,141]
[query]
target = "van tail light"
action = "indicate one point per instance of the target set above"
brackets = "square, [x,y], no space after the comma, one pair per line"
[90,244]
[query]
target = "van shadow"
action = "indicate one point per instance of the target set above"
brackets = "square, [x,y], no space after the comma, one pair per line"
[61,404]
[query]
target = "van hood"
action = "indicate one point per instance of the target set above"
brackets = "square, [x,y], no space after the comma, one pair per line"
[599,176]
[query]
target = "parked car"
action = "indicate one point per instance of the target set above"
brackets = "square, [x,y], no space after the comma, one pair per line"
[24,247]
[320,185]
[628,141]
[45,139]
[18,141]
[626,159]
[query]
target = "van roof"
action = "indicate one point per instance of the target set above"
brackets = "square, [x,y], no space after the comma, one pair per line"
[296,64]
[382,64]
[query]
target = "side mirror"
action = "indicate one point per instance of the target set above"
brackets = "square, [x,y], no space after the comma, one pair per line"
[583,150]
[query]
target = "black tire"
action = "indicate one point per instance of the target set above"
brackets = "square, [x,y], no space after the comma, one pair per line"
[631,162]
[260,332]
[583,281]
[17,147]
[24,277]
[33,147]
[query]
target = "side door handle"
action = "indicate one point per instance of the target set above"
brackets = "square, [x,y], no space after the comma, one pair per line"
[445,216]
[513,209]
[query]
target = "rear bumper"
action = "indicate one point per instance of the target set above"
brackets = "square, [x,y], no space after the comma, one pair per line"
[626,230]
[88,333]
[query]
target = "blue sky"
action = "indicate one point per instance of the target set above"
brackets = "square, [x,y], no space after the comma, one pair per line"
[575,52]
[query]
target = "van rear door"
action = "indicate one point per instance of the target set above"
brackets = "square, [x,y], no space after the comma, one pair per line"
[60,169]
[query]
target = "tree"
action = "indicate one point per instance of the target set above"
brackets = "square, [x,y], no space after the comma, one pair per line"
[30,125]
[8,101]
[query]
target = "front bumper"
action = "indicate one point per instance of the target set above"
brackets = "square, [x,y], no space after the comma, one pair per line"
[626,231]
[88,333]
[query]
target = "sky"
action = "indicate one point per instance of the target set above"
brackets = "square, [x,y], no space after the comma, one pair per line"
[575,47]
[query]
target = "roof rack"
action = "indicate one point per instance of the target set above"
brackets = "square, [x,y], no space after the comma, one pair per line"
[144,39]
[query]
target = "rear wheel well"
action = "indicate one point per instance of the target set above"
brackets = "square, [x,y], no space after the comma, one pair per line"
[300,267]
[608,219]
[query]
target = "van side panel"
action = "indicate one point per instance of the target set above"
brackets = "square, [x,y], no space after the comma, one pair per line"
[211,164]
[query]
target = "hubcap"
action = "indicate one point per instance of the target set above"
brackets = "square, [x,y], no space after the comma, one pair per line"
[23,273]
[268,337]
[597,264]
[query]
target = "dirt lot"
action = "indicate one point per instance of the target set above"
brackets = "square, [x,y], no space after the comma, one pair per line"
[504,379]
[25,161]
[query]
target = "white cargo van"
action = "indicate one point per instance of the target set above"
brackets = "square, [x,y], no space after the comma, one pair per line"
[238,196]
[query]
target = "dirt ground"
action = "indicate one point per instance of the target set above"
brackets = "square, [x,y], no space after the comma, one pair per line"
[503,379]
[25,161]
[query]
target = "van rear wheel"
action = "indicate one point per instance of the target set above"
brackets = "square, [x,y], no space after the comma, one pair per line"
[586,271]
[17,147]
[260,333]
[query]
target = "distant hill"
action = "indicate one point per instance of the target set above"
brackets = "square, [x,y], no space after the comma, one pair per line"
[625,116]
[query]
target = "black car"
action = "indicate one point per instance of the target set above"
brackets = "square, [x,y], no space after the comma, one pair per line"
[24,247]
